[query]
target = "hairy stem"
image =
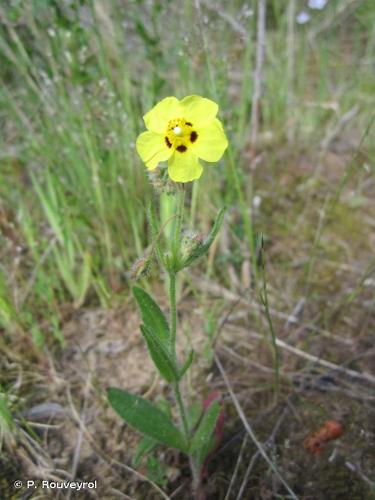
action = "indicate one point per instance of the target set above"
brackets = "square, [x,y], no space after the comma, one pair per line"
[181,409]
[178,224]
[175,252]
[173,308]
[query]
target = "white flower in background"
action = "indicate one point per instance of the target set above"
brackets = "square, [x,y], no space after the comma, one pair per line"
[317,4]
[303,17]
[257,200]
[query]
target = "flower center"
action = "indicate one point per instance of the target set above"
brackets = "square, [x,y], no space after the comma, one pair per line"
[180,134]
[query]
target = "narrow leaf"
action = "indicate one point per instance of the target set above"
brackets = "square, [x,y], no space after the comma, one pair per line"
[152,315]
[49,204]
[6,420]
[146,418]
[203,249]
[84,279]
[206,428]
[160,355]
[186,365]
[146,445]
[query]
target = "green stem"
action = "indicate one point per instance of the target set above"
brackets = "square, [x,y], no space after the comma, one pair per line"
[175,250]
[178,224]
[172,296]
[194,198]
[173,308]
[181,409]
[175,253]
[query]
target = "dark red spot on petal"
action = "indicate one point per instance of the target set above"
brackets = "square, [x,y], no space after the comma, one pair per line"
[181,148]
[193,136]
[189,123]
[168,142]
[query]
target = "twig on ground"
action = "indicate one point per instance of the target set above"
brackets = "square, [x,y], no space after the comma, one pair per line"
[357,470]
[238,299]
[314,359]
[297,311]
[120,494]
[333,133]
[180,487]
[109,461]
[82,425]
[226,317]
[235,472]
[249,428]
[267,444]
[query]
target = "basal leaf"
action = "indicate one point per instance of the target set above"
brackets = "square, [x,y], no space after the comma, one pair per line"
[203,435]
[146,445]
[146,418]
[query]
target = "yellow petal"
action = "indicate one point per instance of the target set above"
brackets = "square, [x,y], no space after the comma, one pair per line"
[211,141]
[184,167]
[198,110]
[158,117]
[152,149]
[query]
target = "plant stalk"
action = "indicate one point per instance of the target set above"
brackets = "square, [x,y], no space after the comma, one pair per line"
[173,308]
[175,251]
[181,409]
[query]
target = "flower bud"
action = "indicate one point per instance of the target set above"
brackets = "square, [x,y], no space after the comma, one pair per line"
[189,243]
[141,268]
[160,181]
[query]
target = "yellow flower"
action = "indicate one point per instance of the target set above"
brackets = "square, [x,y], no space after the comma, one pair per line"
[182,132]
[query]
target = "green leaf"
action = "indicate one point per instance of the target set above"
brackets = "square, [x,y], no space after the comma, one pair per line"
[165,406]
[8,313]
[160,355]
[203,453]
[146,445]
[84,279]
[146,418]
[156,472]
[203,249]
[38,337]
[6,420]
[193,413]
[203,435]
[50,205]
[186,365]
[152,315]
